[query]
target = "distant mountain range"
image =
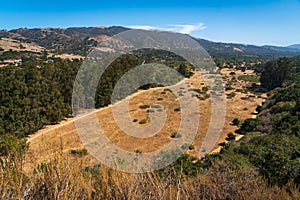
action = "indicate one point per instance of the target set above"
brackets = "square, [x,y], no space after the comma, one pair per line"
[241,51]
[285,49]
[81,40]
[295,46]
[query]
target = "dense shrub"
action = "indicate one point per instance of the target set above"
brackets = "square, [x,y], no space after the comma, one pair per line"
[230,136]
[249,125]
[231,95]
[236,122]
[177,109]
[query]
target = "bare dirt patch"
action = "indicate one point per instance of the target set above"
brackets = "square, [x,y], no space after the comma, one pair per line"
[69,56]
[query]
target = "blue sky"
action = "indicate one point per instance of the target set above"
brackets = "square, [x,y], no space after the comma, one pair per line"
[260,22]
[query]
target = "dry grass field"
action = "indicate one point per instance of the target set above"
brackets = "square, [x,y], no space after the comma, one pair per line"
[69,56]
[60,139]
[15,45]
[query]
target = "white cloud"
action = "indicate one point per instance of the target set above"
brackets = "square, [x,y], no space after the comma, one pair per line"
[187,28]
[181,28]
[145,27]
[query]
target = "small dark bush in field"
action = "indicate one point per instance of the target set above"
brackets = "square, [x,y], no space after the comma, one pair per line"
[231,95]
[143,121]
[167,90]
[144,106]
[230,137]
[177,109]
[175,135]
[191,147]
[78,152]
[236,122]
[156,106]
[137,151]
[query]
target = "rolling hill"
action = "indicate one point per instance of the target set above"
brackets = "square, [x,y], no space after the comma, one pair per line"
[81,40]
[295,46]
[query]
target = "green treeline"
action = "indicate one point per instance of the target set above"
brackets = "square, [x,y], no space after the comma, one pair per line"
[281,72]
[36,94]
[39,92]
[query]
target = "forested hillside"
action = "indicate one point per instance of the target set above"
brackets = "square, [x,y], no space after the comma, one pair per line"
[35,94]
[272,141]
[70,40]
[281,72]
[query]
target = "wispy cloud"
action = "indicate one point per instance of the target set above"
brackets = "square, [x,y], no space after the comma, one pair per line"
[146,27]
[187,28]
[180,28]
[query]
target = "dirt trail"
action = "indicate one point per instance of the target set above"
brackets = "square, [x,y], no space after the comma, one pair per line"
[71,120]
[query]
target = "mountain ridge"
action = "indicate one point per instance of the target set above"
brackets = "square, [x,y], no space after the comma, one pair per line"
[295,46]
[80,40]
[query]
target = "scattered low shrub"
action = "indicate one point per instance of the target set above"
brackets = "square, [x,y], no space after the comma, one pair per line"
[230,137]
[228,87]
[137,151]
[191,147]
[231,95]
[78,152]
[240,90]
[143,121]
[167,90]
[156,106]
[144,106]
[175,135]
[236,122]
[177,109]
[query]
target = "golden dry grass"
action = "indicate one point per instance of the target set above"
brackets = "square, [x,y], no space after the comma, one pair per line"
[64,138]
[15,45]
[69,56]
[64,178]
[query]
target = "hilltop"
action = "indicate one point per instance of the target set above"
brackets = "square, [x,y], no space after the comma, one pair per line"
[80,41]
[295,46]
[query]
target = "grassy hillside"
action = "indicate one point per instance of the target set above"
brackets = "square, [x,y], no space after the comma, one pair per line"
[80,41]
